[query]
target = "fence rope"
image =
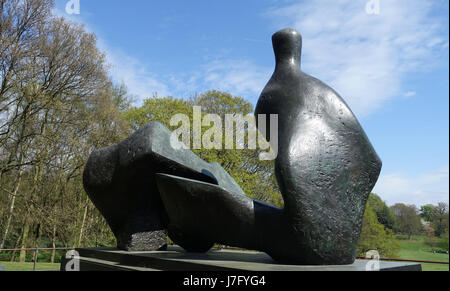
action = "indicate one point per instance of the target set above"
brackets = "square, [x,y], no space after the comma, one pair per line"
[406,260]
[39,249]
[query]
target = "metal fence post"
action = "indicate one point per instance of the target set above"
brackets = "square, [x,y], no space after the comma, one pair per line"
[35,258]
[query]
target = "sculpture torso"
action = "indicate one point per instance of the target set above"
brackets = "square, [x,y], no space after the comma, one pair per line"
[326,166]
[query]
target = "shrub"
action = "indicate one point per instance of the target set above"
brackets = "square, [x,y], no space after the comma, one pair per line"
[443,242]
[374,236]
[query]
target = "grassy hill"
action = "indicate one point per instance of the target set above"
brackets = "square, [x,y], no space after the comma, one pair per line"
[417,249]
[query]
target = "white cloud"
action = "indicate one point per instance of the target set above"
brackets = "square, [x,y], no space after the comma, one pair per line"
[239,77]
[127,70]
[410,94]
[236,76]
[426,188]
[364,57]
[123,68]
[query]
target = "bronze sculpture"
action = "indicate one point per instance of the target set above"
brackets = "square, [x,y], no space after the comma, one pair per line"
[326,168]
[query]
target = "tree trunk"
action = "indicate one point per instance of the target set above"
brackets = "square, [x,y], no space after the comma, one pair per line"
[11,208]
[23,245]
[16,245]
[36,178]
[37,242]
[52,259]
[80,237]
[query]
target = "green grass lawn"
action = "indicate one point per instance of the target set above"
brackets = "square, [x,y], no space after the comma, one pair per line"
[416,249]
[29,266]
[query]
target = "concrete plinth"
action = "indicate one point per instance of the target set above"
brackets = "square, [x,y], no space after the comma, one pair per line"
[175,259]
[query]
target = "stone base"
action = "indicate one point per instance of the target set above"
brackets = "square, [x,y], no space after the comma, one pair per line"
[175,259]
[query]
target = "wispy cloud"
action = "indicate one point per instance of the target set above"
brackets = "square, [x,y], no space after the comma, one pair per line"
[410,94]
[364,57]
[239,77]
[426,188]
[140,82]
[123,68]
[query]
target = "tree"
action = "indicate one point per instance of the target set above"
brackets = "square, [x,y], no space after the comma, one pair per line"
[439,218]
[437,215]
[255,177]
[426,212]
[57,105]
[444,243]
[384,214]
[20,22]
[407,221]
[374,236]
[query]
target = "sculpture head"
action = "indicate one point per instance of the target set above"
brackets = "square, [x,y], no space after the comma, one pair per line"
[287,44]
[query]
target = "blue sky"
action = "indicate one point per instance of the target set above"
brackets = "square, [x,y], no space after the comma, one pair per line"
[391,67]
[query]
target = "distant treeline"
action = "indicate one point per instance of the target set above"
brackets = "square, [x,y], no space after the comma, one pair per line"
[382,225]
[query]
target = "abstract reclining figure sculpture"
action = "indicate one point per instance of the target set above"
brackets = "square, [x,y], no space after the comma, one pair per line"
[326,168]
[121,181]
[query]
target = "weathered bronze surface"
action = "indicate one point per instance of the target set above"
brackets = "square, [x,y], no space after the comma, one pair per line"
[326,168]
[326,165]
[120,180]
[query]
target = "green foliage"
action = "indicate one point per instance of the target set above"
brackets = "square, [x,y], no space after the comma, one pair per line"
[437,216]
[437,244]
[256,178]
[407,220]
[57,104]
[385,215]
[431,242]
[440,219]
[426,212]
[159,109]
[443,244]
[121,98]
[374,236]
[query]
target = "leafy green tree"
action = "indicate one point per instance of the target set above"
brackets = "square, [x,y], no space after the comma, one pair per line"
[121,98]
[426,212]
[439,218]
[385,215]
[256,178]
[444,242]
[374,236]
[57,104]
[158,109]
[408,221]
